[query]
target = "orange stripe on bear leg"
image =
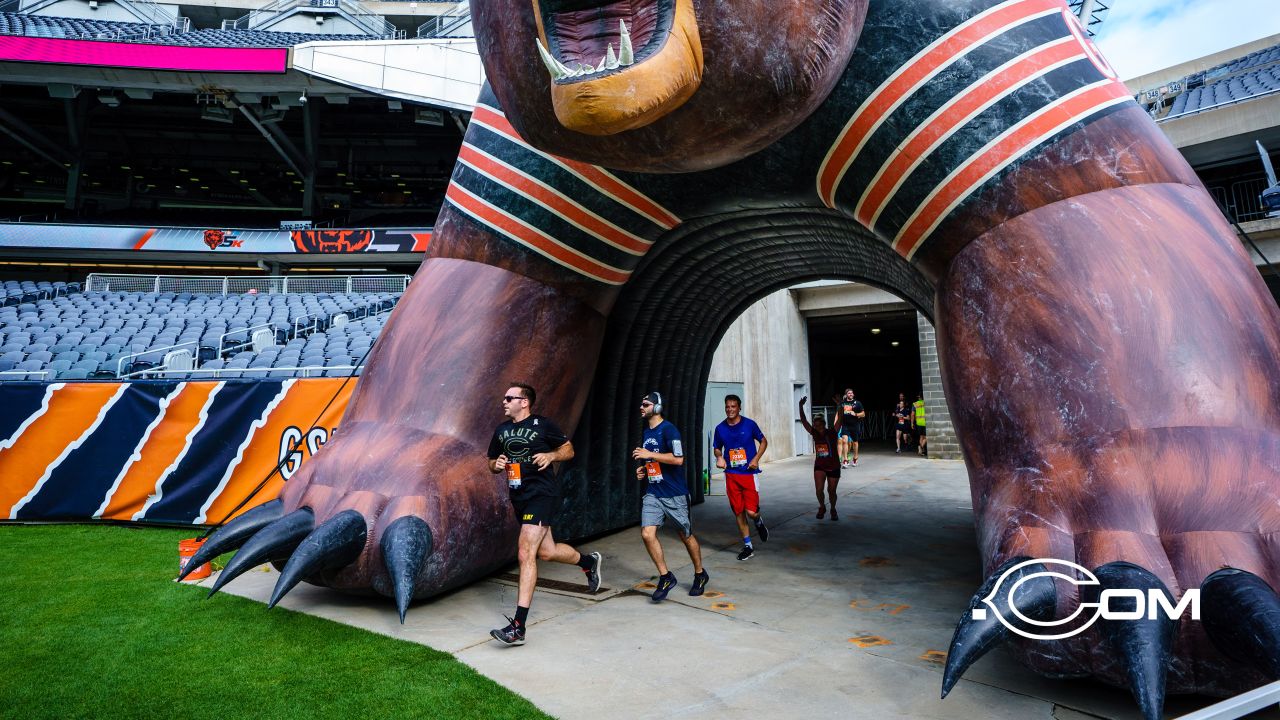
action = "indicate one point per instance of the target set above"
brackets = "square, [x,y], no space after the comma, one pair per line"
[1000,152]
[532,237]
[912,76]
[605,182]
[166,442]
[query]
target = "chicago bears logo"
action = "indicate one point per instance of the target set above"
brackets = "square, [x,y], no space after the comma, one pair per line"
[221,238]
[331,241]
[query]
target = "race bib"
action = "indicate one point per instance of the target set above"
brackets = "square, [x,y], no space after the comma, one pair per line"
[823,450]
[737,457]
[513,475]
[654,471]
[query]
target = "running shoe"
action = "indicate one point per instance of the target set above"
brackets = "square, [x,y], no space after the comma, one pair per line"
[747,552]
[844,464]
[593,575]
[761,530]
[855,463]
[512,634]
[898,450]
[822,511]
[834,516]
[665,583]
[699,583]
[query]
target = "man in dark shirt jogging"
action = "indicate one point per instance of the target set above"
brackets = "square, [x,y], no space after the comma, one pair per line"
[739,445]
[666,495]
[523,448]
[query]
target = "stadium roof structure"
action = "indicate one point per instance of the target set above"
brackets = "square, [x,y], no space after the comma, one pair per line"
[1091,12]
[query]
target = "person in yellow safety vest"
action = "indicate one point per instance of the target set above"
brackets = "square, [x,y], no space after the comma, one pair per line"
[917,419]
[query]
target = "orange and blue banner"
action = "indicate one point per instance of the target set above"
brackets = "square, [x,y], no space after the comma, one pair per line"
[153,451]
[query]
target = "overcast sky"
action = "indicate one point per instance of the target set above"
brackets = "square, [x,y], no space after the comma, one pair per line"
[1141,36]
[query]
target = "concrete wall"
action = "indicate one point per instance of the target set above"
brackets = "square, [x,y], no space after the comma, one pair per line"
[441,73]
[942,436]
[306,23]
[767,349]
[107,11]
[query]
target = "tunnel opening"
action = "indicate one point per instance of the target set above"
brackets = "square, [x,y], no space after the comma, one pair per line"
[670,318]
[876,353]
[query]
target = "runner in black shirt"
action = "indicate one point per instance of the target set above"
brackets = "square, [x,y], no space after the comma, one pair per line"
[523,448]
[851,416]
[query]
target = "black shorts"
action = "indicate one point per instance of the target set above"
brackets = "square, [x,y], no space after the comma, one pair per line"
[904,428]
[853,433]
[830,472]
[537,510]
[920,430]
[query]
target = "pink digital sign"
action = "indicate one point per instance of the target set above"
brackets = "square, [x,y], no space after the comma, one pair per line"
[138,55]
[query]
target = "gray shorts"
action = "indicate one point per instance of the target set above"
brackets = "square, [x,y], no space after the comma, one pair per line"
[654,510]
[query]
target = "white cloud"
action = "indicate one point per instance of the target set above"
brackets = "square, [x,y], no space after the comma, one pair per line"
[1142,36]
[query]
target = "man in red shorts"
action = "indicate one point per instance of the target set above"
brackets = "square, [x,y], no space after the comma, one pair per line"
[739,445]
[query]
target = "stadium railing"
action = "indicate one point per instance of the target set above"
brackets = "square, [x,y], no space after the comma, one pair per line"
[238,285]
[305,372]
[128,360]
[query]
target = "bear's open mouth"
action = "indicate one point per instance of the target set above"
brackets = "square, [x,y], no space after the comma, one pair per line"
[592,41]
[620,65]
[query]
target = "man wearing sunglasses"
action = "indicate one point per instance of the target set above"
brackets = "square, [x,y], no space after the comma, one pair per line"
[666,495]
[524,448]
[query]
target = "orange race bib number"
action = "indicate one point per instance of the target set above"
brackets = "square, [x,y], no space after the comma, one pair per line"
[823,450]
[513,475]
[654,471]
[848,409]
[737,457]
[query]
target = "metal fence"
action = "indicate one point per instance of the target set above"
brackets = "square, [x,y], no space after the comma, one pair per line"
[1242,199]
[240,284]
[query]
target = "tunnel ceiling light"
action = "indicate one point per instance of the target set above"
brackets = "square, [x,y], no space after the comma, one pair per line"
[895,343]
[875,331]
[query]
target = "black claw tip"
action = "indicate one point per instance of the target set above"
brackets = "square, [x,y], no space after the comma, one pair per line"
[274,541]
[1144,646]
[234,534]
[333,545]
[406,543]
[1036,598]
[1241,615]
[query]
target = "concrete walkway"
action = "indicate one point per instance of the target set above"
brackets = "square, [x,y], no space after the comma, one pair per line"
[829,619]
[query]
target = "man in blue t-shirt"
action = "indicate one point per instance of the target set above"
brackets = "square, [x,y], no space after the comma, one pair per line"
[738,446]
[661,457]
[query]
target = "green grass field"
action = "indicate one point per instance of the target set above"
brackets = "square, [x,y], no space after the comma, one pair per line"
[93,626]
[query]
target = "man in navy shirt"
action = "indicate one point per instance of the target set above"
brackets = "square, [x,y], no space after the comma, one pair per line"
[738,446]
[523,449]
[666,495]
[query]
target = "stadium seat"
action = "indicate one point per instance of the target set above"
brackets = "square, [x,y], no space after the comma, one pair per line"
[95,331]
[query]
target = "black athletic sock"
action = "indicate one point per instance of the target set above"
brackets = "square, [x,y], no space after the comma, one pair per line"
[522,614]
[586,561]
